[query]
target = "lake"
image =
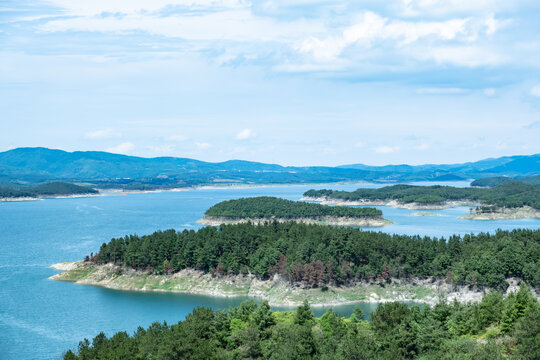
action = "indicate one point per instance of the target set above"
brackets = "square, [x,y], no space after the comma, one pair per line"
[39,318]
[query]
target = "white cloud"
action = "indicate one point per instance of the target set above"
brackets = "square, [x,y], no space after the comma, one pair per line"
[423,147]
[176,138]
[490,92]
[245,134]
[460,55]
[103,134]
[359,145]
[123,148]
[233,25]
[96,7]
[535,91]
[202,145]
[447,7]
[434,91]
[386,149]
[372,29]
[165,149]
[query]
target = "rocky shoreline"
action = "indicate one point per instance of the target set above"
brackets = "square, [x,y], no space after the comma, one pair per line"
[323,220]
[277,291]
[525,212]
[392,203]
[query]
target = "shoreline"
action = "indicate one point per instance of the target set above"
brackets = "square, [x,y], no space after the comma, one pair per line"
[227,186]
[525,212]
[393,203]
[119,191]
[323,220]
[277,291]
[26,198]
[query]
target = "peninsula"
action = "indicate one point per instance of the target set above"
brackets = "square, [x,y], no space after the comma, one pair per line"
[285,263]
[49,190]
[265,208]
[512,200]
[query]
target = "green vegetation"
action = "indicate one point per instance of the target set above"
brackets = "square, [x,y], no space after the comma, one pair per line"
[315,254]
[495,328]
[509,195]
[499,180]
[272,207]
[50,189]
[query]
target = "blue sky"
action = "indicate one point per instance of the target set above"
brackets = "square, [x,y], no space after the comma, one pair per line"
[293,82]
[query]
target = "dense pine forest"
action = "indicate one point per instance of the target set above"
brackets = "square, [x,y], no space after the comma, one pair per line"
[50,189]
[314,255]
[511,195]
[496,328]
[272,207]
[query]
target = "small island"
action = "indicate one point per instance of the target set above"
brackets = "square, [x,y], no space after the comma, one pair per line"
[513,200]
[425,213]
[288,262]
[49,190]
[267,209]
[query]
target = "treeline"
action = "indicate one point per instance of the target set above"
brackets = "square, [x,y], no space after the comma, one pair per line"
[512,194]
[498,180]
[268,207]
[315,255]
[493,329]
[50,189]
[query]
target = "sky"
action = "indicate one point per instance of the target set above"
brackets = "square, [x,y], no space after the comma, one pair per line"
[293,82]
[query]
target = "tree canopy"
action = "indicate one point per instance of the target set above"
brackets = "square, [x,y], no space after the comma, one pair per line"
[272,207]
[316,254]
[49,189]
[483,330]
[512,194]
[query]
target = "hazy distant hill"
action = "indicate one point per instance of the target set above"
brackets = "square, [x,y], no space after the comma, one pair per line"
[519,165]
[31,165]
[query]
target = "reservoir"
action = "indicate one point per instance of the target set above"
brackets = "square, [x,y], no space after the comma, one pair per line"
[39,318]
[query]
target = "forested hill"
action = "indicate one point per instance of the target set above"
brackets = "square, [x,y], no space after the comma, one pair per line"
[106,170]
[499,180]
[50,189]
[272,207]
[315,254]
[509,195]
[497,328]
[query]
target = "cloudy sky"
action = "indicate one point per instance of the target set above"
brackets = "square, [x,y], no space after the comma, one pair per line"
[294,82]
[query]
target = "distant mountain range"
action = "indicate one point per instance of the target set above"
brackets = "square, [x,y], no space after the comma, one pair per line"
[36,165]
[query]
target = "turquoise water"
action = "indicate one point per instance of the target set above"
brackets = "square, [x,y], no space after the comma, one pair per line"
[39,318]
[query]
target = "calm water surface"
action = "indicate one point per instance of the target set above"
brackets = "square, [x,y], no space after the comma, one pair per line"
[39,318]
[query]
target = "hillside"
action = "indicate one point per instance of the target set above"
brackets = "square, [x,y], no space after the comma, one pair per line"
[106,170]
[313,255]
[509,195]
[46,190]
[269,207]
[499,180]
[497,328]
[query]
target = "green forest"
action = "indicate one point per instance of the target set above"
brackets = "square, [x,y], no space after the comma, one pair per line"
[314,255]
[49,189]
[269,207]
[498,180]
[510,195]
[495,328]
